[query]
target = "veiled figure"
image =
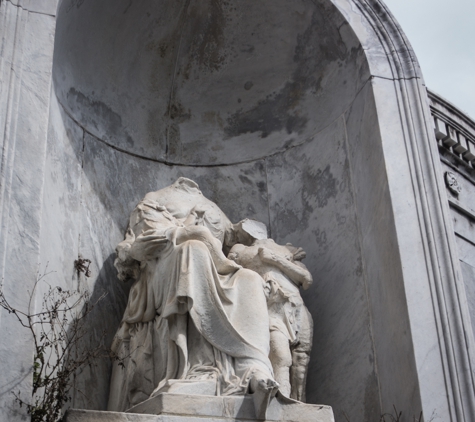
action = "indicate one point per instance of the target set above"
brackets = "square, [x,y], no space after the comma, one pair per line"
[195,321]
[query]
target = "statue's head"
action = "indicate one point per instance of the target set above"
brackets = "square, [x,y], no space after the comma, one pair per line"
[247,231]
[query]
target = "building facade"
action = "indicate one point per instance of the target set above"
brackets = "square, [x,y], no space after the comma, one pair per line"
[455,136]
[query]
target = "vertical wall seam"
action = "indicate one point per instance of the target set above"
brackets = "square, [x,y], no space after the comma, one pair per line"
[9,134]
[363,263]
[81,202]
[43,181]
[76,274]
[172,89]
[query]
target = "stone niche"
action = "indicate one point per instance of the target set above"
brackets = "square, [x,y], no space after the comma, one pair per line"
[269,106]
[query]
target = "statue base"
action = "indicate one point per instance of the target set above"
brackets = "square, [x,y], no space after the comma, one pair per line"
[169,407]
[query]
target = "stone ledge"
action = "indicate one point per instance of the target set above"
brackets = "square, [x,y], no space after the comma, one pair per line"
[168,407]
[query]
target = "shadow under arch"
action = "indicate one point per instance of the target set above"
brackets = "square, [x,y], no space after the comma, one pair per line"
[307,115]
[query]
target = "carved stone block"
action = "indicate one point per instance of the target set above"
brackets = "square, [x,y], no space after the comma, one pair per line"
[169,407]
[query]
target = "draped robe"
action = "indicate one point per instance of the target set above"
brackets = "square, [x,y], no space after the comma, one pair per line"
[184,322]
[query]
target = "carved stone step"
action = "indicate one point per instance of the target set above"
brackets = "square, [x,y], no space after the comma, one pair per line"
[168,407]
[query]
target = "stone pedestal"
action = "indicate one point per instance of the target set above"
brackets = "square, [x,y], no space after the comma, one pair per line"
[169,407]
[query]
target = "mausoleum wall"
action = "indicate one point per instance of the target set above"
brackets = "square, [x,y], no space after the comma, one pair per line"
[308,116]
[267,123]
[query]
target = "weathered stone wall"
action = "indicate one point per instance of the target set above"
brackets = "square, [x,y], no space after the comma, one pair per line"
[258,119]
[309,116]
[26,52]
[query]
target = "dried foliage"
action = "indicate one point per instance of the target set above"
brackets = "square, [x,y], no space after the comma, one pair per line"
[59,335]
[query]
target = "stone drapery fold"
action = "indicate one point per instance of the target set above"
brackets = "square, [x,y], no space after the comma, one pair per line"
[185,321]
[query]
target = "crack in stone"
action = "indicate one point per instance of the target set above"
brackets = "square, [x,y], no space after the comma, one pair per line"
[168,163]
[395,79]
[28,10]
[172,90]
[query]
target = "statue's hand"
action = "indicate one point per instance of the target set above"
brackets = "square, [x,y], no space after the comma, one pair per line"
[147,246]
[299,254]
[267,255]
[195,218]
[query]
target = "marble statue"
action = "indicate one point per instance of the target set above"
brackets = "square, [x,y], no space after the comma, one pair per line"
[198,322]
[291,325]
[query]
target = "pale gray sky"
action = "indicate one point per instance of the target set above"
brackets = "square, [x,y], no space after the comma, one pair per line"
[442,33]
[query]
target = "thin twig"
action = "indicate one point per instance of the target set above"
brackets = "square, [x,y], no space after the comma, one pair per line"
[57,330]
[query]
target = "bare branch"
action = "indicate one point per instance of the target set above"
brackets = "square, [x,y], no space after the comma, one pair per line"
[58,333]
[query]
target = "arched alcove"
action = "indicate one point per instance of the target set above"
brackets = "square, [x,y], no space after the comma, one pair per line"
[206,83]
[300,114]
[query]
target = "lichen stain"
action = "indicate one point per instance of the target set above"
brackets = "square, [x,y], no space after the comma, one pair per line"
[321,238]
[359,269]
[317,50]
[100,115]
[315,189]
[340,219]
[245,180]
[156,130]
[212,118]
[198,151]
[250,205]
[270,115]
[207,48]
[289,220]
[158,47]
[327,186]
[297,214]
[262,188]
[174,142]
[177,112]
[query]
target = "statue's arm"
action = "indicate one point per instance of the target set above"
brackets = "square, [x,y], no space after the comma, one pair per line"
[195,217]
[236,254]
[144,239]
[148,245]
[297,272]
[127,267]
